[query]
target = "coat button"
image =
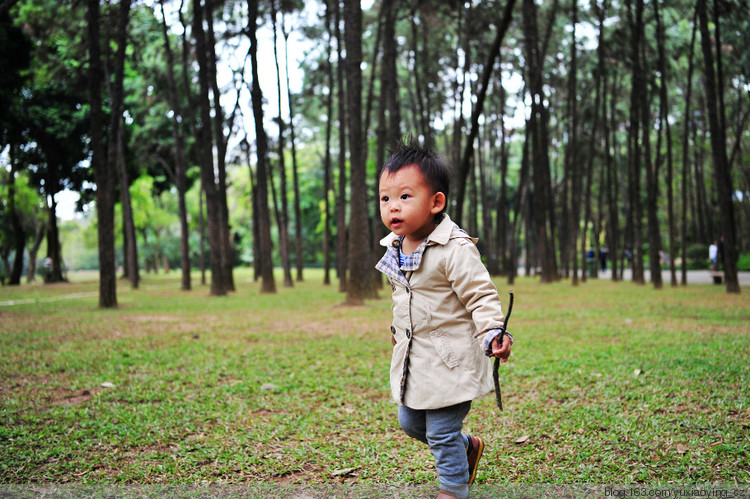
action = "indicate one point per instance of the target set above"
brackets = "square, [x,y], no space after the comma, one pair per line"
[408,333]
[393,330]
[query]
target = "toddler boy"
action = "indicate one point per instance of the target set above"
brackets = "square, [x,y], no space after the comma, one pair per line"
[446,314]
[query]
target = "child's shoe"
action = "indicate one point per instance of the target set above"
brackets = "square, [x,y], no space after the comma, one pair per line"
[473,454]
[444,495]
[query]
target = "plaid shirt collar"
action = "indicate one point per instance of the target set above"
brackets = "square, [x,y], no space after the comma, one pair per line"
[390,265]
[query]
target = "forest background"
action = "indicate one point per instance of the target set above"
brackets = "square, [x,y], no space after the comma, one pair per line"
[573,128]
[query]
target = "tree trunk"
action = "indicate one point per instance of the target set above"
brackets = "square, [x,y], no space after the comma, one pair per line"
[205,151]
[664,110]
[54,254]
[283,213]
[202,236]
[420,107]
[128,229]
[612,180]
[504,232]
[34,251]
[494,52]
[685,154]
[342,256]
[116,146]
[298,255]
[327,187]
[245,146]
[572,150]
[225,233]
[722,174]
[268,284]
[105,187]
[178,139]
[389,111]
[369,99]
[537,130]
[19,234]
[635,206]
[358,286]
[652,166]
[521,202]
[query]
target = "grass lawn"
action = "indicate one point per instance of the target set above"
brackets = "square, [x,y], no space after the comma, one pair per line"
[608,383]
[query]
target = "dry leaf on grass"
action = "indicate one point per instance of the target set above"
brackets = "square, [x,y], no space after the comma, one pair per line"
[523,439]
[344,472]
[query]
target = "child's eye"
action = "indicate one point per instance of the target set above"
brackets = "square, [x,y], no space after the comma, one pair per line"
[405,196]
[384,199]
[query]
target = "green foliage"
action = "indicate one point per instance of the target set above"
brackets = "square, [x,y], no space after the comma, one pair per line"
[743,264]
[697,255]
[81,250]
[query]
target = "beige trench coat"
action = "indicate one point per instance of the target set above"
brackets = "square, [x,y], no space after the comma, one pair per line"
[441,311]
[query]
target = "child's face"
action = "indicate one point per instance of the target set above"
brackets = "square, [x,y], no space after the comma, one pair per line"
[407,204]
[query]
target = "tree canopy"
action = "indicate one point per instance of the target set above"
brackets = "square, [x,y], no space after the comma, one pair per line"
[252,132]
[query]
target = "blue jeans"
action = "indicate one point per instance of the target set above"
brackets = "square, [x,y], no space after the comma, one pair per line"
[441,430]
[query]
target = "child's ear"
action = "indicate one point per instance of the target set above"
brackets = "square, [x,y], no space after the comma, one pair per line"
[438,203]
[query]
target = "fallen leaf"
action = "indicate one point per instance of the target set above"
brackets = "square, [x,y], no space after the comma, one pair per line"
[681,449]
[343,471]
[107,384]
[637,372]
[523,439]
[268,386]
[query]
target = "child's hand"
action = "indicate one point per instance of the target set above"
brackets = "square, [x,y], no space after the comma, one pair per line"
[501,352]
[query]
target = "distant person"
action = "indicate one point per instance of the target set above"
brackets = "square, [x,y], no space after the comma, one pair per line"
[720,253]
[446,315]
[713,251]
[603,254]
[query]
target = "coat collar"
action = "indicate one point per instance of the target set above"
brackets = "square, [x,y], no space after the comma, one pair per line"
[390,265]
[441,234]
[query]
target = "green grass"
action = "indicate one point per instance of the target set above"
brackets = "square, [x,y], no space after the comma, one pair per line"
[612,383]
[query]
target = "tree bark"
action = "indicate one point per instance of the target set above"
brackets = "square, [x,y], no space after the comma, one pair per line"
[494,52]
[19,234]
[205,151]
[571,253]
[34,251]
[268,284]
[283,213]
[116,145]
[298,255]
[722,174]
[327,187]
[103,176]
[227,253]
[664,119]
[178,140]
[685,154]
[342,256]
[538,131]
[634,229]
[652,165]
[358,286]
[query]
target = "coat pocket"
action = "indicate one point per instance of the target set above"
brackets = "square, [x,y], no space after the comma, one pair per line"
[443,348]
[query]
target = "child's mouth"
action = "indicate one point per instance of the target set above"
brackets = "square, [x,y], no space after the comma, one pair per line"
[396,222]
